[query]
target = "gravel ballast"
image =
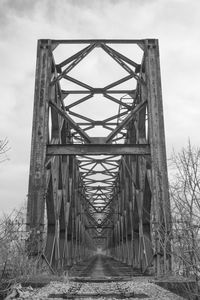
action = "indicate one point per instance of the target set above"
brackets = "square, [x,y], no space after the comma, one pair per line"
[139,286]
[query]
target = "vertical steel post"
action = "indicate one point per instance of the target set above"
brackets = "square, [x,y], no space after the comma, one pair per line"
[161,217]
[37,180]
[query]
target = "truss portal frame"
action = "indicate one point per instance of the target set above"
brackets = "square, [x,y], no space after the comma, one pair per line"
[107,191]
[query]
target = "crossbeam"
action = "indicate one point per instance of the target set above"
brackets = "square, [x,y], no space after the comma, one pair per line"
[109,41]
[98,149]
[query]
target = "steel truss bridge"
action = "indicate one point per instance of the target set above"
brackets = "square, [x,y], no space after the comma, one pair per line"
[98,175]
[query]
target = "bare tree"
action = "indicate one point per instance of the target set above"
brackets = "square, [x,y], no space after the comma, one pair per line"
[185,200]
[3,149]
[15,261]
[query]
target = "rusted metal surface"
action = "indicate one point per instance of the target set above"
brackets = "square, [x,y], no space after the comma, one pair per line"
[106,190]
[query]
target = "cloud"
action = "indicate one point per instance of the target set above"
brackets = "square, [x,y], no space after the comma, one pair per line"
[175,22]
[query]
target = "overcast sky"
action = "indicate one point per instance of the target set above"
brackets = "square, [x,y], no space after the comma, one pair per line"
[175,23]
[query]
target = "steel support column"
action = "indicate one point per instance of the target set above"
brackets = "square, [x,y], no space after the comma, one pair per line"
[161,215]
[37,175]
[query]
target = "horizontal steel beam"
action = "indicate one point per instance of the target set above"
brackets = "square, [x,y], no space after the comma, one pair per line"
[99,227]
[98,149]
[112,41]
[98,91]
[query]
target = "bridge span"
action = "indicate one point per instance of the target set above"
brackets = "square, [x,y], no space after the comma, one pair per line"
[98,175]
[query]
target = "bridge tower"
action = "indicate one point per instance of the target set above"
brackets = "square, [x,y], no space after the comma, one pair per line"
[98,173]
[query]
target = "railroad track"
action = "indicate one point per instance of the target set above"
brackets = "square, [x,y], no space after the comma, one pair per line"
[100,268]
[97,278]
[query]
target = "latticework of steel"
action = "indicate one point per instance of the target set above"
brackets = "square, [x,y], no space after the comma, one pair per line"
[98,171]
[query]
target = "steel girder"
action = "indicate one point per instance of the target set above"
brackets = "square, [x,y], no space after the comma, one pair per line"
[91,189]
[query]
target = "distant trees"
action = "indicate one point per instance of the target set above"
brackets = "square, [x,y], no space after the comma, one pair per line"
[185,201]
